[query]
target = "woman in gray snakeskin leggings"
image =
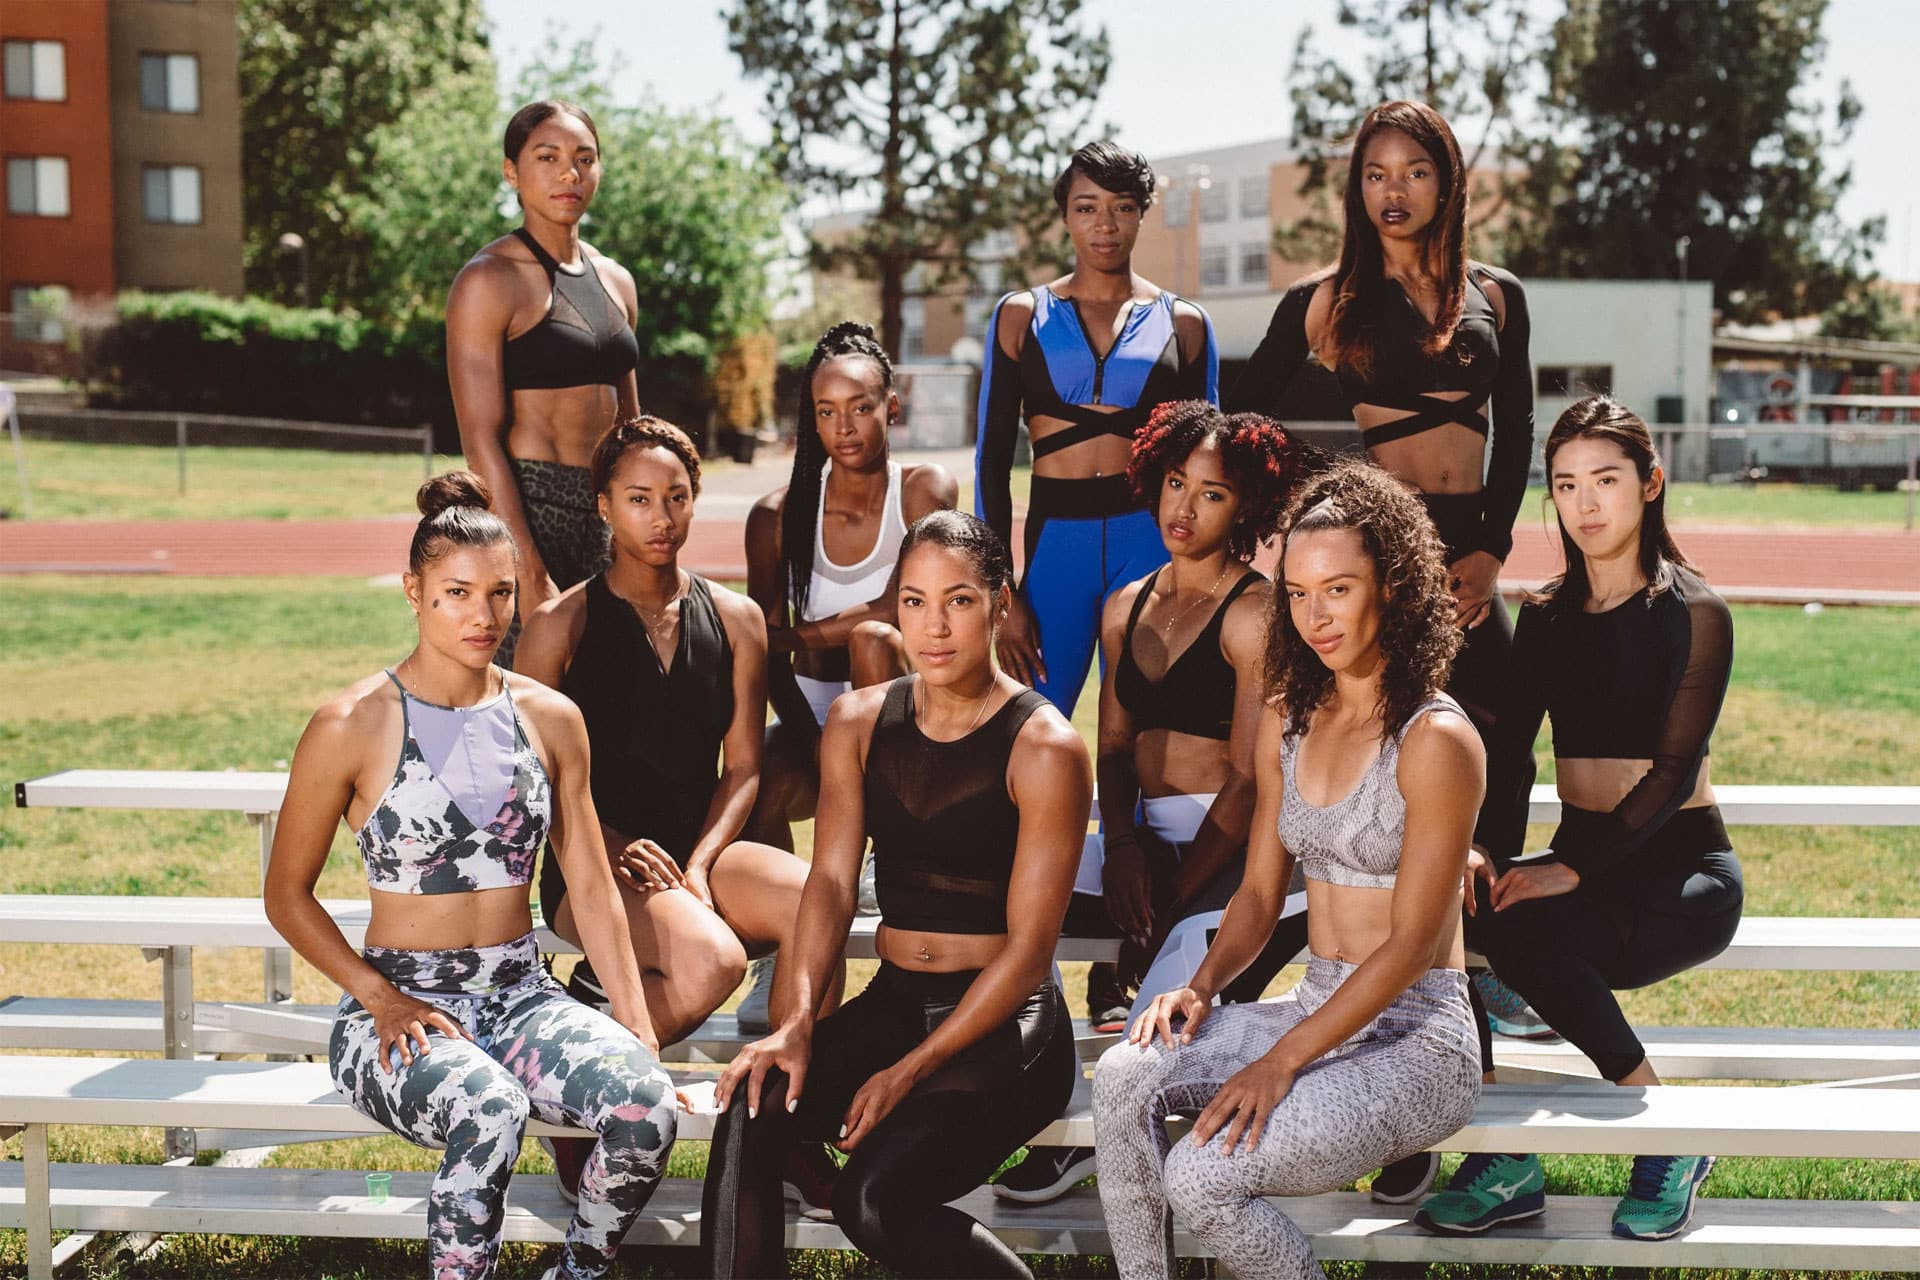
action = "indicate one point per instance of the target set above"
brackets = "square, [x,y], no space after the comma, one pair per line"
[1370,776]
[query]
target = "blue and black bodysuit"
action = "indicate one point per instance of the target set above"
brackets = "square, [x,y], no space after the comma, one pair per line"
[1085,539]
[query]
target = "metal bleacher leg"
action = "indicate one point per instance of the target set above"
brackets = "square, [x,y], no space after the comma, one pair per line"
[276,962]
[176,1014]
[39,1206]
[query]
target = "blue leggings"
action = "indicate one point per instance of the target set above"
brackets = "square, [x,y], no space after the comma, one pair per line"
[1085,540]
[535,1051]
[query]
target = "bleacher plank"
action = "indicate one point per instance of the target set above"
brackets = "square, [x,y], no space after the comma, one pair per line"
[1740,1053]
[1576,1230]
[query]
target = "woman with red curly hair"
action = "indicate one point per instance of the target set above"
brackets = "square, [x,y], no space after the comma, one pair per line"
[1180,700]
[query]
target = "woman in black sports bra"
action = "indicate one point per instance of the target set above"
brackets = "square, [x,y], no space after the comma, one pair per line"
[1180,702]
[541,356]
[975,794]
[1421,338]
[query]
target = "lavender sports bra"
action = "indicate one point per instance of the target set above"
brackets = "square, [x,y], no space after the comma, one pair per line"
[1356,839]
[419,840]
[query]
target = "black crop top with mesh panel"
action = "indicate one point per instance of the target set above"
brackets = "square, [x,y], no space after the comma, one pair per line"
[1485,360]
[1642,681]
[584,339]
[1196,694]
[943,827]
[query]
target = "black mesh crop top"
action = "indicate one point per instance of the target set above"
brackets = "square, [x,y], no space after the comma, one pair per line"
[1196,694]
[1485,359]
[1642,681]
[583,340]
[943,826]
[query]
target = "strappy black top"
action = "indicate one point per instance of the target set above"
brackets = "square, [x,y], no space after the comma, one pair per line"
[943,827]
[1195,696]
[1484,360]
[583,340]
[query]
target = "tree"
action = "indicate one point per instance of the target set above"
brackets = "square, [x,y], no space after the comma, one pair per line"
[1670,123]
[1466,58]
[949,114]
[319,81]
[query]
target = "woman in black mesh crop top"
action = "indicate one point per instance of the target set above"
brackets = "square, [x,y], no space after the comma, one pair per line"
[1629,653]
[541,356]
[975,793]
[1421,339]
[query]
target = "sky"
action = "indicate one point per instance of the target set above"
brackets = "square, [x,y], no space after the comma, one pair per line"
[1180,84]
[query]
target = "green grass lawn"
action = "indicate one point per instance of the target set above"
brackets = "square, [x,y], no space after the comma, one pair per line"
[212,674]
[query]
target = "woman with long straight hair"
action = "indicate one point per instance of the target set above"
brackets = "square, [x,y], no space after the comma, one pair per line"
[1628,652]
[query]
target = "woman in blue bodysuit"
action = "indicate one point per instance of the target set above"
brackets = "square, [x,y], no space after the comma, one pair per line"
[1083,360]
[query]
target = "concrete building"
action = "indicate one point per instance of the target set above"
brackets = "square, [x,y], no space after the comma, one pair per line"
[121,127]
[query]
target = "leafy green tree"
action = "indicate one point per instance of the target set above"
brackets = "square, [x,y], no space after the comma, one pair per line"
[320,80]
[1871,311]
[952,116]
[1468,59]
[1671,121]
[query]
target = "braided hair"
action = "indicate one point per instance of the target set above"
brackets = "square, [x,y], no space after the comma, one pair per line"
[801,514]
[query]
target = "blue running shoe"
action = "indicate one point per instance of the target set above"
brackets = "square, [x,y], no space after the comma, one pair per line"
[1659,1200]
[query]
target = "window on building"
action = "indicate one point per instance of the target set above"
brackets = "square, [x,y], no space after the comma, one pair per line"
[170,82]
[1214,205]
[37,186]
[1213,266]
[1253,197]
[39,312]
[1177,207]
[171,193]
[1575,380]
[36,69]
[1253,266]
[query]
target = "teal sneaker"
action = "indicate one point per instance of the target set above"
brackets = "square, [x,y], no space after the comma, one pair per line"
[1659,1200]
[1508,1013]
[1486,1191]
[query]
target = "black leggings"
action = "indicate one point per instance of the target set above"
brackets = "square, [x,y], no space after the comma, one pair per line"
[1676,905]
[945,1138]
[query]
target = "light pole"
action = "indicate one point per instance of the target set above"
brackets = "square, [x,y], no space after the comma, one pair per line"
[294,242]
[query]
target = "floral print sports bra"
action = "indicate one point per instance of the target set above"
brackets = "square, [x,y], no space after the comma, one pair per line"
[417,839]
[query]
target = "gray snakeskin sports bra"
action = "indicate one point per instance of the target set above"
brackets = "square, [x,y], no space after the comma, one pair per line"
[418,840]
[1356,839]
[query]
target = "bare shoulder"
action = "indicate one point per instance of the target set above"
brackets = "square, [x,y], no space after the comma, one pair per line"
[553,713]
[769,504]
[1015,314]
[562,610]
[1442,749]
[1244,629]
[348,722]
[741,617]
[1048,741]
[491,279]
[927,487]
[1114,612]
[850,721]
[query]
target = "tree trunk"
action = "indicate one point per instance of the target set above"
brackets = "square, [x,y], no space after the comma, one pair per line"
[893,295]
[893,200]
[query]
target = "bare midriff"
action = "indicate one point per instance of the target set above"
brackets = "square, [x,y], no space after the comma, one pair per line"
[446,921]
[1170,763]
[1349,923]
[926,952]
[1448,458]
[1597,785]
[1100,456]
[560,424]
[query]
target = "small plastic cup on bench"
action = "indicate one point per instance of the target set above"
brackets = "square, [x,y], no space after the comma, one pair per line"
[378,1185]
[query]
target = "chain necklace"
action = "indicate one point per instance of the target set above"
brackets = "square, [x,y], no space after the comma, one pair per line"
[1167,631]
[413,680]
[658,617]
[979,711]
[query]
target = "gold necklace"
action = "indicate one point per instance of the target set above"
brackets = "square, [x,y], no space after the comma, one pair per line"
[1167,631]
[979,711]
[653,618]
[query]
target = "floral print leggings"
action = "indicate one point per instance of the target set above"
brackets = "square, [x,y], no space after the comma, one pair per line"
[535,1051]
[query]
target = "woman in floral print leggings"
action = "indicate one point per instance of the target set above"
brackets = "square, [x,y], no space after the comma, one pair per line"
[450,1033]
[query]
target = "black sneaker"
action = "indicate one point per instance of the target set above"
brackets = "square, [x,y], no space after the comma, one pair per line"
[585,987]
[1405,1181]
[1107,1000]
[1044,1173]
[807,1174]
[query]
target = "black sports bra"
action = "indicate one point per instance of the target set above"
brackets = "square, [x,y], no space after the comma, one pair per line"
[944,828]
[584,339]
[1195,696]
[1402,372]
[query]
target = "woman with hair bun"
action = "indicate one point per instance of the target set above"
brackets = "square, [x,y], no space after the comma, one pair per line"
[541,355]
[1180,704]
[1369,775]
[820,559]
[451,773]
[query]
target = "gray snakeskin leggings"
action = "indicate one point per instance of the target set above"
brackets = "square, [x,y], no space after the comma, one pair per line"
[535,1050]
[1405,1081]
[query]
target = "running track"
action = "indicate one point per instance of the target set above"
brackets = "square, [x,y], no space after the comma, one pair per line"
[1786,564]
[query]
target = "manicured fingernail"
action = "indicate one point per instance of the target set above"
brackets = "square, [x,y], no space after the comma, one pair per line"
[752,1112]
[843,1131]
[793,1104]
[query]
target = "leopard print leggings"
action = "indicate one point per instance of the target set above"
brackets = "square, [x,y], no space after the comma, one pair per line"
[569,534]
[1405,1081]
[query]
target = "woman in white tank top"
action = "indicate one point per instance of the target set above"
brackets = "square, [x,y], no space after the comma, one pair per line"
[820,560]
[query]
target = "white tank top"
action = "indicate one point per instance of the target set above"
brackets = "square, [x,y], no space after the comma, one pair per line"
[835,588]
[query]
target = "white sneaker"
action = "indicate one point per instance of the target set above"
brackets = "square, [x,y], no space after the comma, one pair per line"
[869,904]
[754,1014]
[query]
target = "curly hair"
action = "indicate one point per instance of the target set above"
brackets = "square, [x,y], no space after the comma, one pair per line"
[1262,459]
[1417,636]
[643,432]
[800,514]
